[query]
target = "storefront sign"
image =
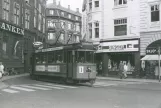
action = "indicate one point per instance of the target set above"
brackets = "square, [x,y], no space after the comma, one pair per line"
[55,68]
[151,51]
[12,28]
[119,46]
[40,68]
[49,49]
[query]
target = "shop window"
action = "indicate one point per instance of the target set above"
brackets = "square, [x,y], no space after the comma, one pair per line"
[96,4]
[155,13]
[120,2]
[4,47]
[120,27]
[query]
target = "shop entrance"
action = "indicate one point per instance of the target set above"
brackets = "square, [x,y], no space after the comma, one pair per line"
[116,58]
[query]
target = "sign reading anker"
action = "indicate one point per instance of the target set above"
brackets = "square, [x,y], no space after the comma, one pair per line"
[12,28]
[119,46]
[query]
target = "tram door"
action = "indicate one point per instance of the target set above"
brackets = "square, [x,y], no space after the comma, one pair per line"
[70,59]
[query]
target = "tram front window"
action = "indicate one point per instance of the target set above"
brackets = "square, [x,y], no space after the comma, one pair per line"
[89,57]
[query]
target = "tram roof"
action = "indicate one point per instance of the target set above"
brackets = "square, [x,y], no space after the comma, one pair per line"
[86,46]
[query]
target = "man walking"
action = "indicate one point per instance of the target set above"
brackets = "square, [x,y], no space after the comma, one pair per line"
[1,69]
[125,70]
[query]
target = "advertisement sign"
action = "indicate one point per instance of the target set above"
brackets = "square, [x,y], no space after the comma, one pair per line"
[40,68]
[55,68]
[119,46]
[151,51]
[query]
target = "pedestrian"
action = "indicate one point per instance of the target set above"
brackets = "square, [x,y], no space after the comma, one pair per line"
[1,68]
[121,69]
[125,70]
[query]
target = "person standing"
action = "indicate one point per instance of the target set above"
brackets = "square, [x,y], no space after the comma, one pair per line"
[125,70]
[121,69]
[1,68]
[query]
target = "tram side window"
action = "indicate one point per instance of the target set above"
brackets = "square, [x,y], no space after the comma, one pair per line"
[51,57]
[59,56]
[89,57]
[43,58]
[38,58]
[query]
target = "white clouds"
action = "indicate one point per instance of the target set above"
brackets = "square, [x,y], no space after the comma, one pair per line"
[73,3]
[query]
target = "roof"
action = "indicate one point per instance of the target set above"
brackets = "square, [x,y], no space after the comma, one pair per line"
[54,6]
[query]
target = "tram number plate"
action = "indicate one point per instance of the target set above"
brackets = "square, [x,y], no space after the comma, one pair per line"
[81,69]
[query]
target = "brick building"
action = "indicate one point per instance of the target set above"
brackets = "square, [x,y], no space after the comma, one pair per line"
[21,23]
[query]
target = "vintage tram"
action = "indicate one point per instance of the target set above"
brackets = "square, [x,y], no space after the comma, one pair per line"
[71,63]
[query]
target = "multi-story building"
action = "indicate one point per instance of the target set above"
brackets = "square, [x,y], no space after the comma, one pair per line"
[115,25]
[63,25]
[21,23]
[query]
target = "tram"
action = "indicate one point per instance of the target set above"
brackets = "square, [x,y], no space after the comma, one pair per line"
[71,63]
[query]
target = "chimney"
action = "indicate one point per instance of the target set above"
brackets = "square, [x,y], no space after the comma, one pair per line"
[77,9]
[68,6]
[59,3]
[54,2]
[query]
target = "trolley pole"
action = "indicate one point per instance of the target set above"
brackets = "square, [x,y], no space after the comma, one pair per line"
[159,61]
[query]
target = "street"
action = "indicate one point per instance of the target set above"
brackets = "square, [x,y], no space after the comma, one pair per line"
[26,93]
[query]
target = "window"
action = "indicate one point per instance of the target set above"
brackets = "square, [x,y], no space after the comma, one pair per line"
[69,16]
[62,13]
[96,3]
[76,18]
[69,26]
[39,8]
[51,24]
[39,22]
[51,12]
[35,22]
[6,8]
[90,30]
[35,1]
[44,25]
[62,24]
[96,29]
[51,36]
[155,13]
[16,13]
[77,27]
[120,26]
[90,5]
[120,2]
[27,19]
[4,47]
[62,37]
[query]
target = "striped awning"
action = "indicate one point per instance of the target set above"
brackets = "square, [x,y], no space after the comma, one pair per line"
[151,57]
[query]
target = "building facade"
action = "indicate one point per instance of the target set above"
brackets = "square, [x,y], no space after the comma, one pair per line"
[21,23]
[63,25]
[115,24]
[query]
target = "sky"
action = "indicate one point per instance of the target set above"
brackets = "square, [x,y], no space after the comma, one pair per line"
[73,4]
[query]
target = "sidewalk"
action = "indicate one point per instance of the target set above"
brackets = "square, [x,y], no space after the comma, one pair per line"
[4,85]
[128,79]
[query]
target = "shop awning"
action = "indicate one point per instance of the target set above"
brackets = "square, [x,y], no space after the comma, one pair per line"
[151,57]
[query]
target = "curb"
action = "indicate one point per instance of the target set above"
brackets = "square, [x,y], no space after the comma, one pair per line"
[126,80]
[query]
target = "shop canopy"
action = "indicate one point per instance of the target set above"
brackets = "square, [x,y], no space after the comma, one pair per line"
[151,57]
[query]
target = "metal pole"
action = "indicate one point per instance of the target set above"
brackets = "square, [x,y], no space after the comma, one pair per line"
[159,61]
